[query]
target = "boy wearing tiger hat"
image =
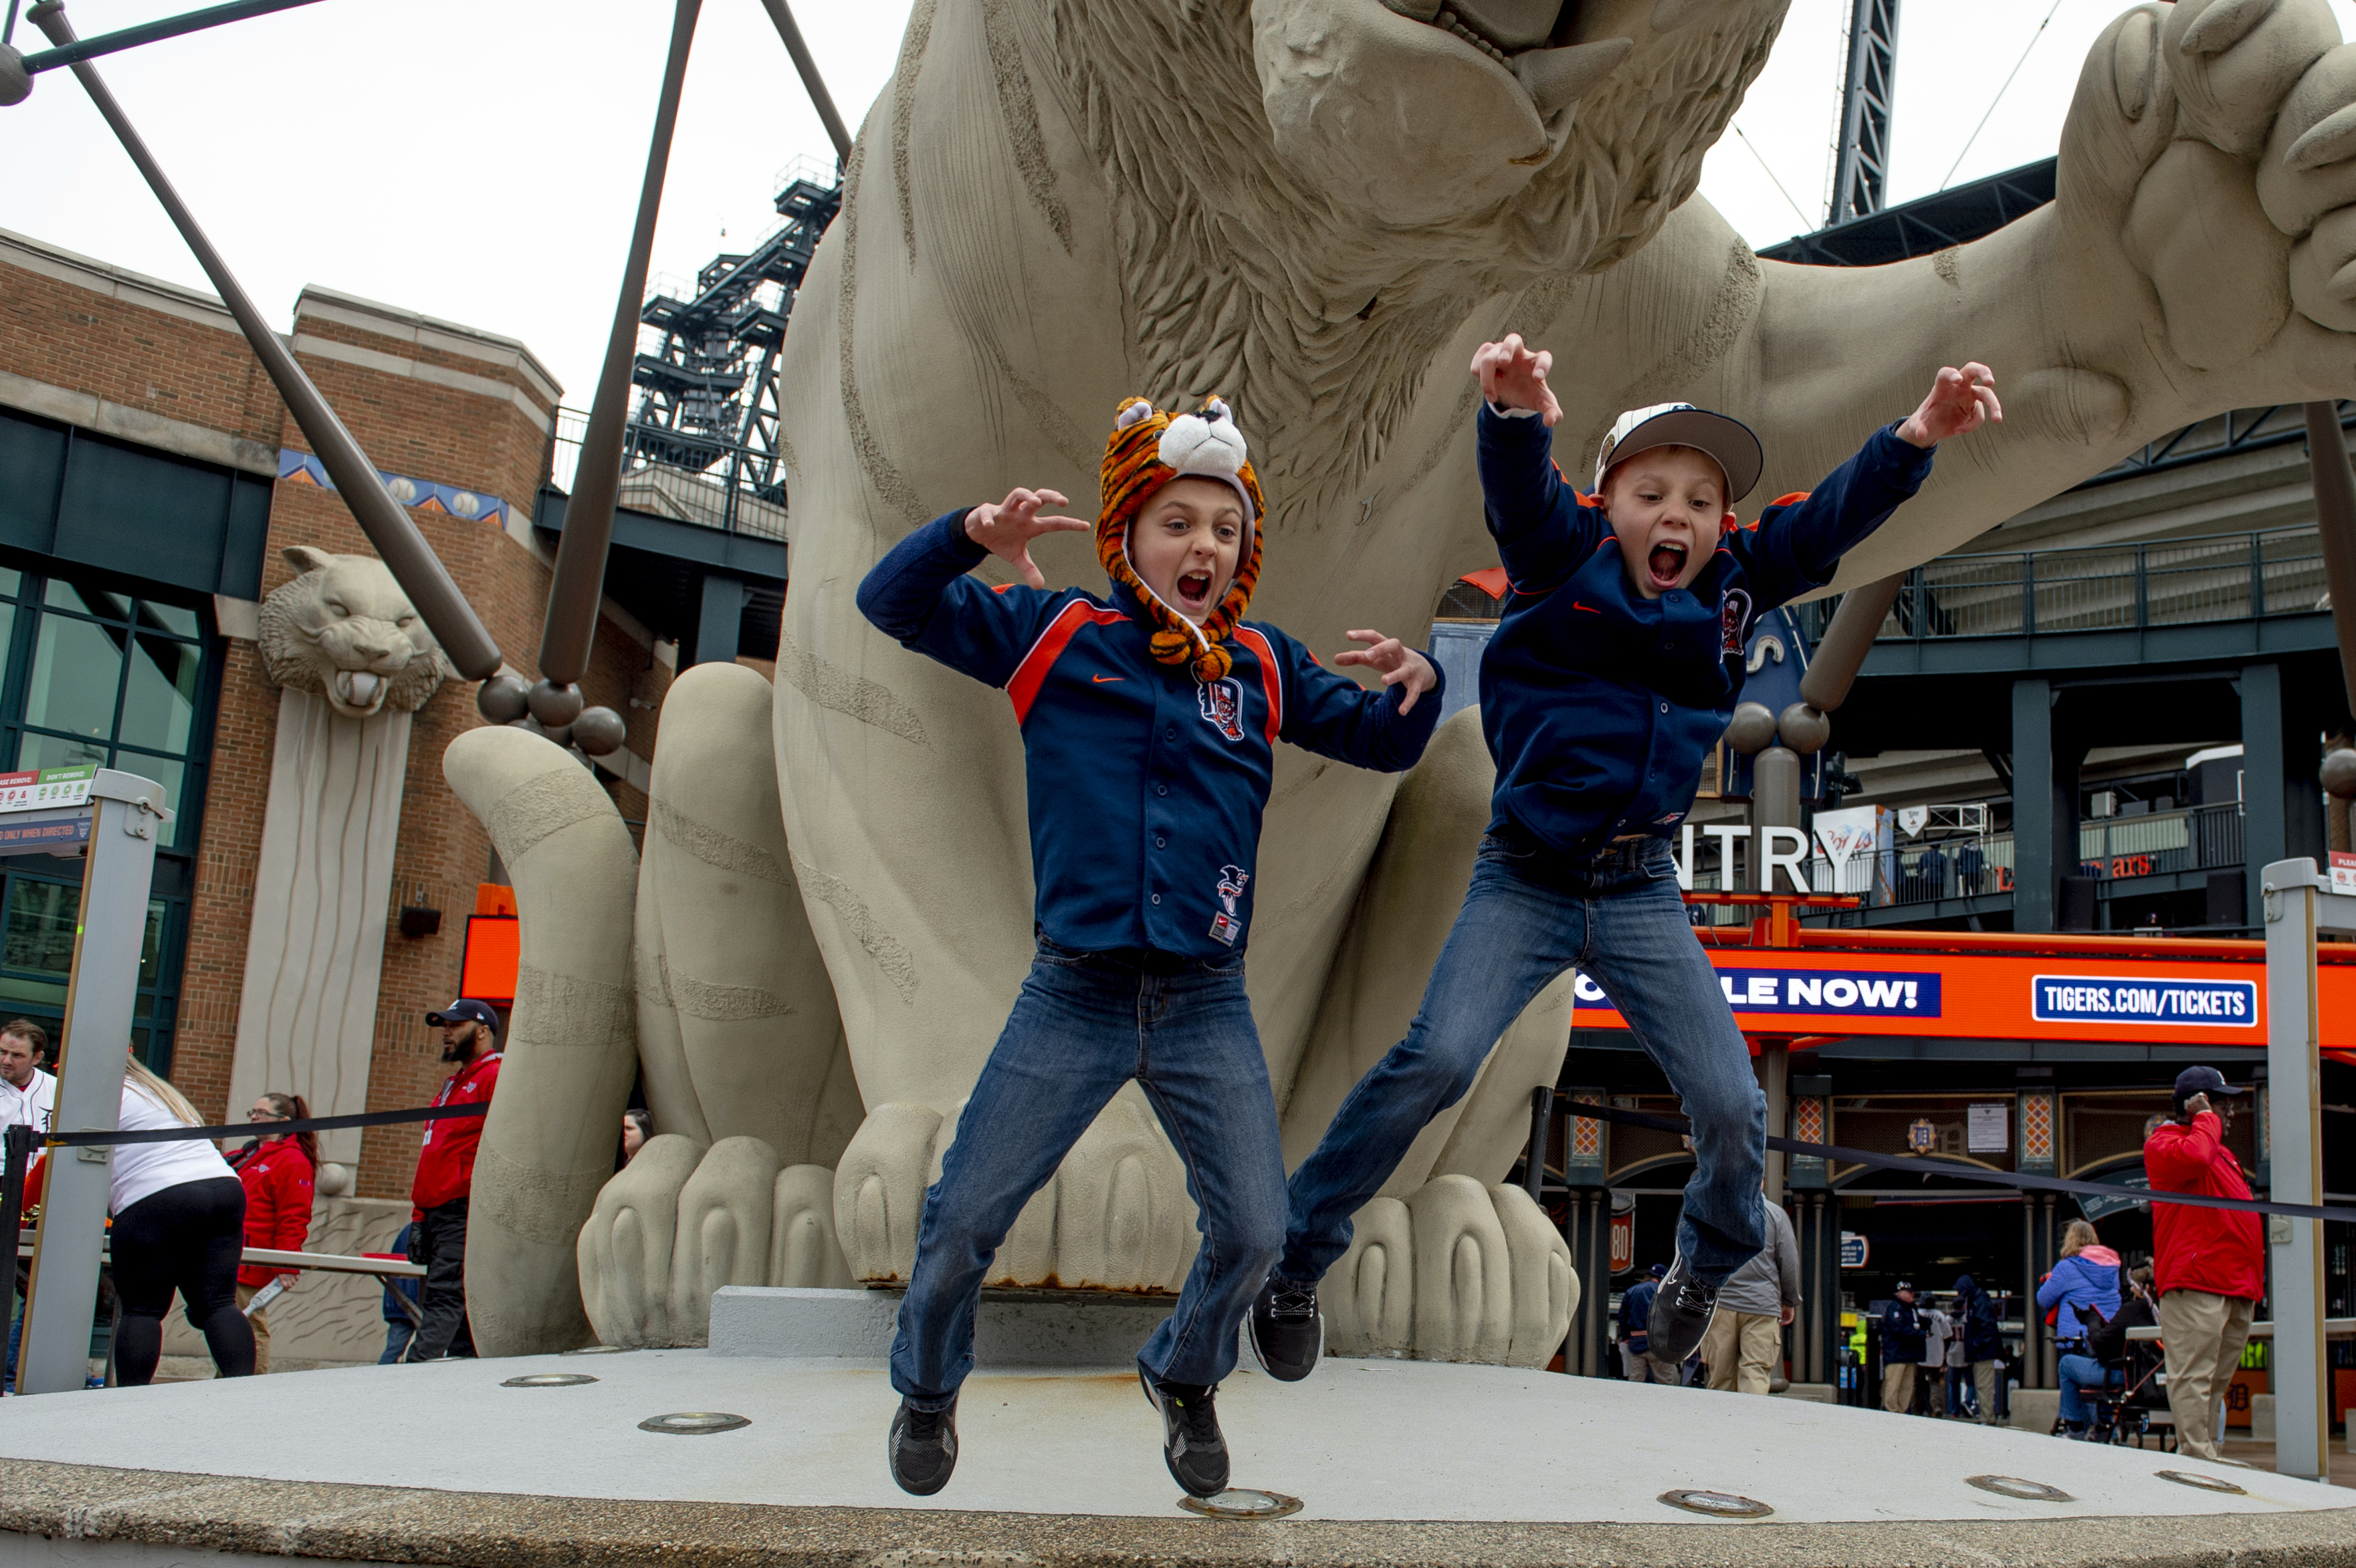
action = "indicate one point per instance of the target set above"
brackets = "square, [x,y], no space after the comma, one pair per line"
[1149,719]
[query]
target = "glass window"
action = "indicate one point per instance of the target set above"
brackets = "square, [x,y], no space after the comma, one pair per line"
[37,930]
[161,699]
[64,595]
[170,617]
[59,751]
[11,581]
[77,668]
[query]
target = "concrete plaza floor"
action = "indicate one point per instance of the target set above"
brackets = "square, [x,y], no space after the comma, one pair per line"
[1361,1441]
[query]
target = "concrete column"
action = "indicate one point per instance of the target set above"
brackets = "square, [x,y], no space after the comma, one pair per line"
[1774,1065]
[720,622]
[2281,798]
[2035,876]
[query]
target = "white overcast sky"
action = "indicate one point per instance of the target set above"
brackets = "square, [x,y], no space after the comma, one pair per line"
[479,160]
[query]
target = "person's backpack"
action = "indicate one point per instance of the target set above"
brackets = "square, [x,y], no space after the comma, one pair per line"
[2106,1338]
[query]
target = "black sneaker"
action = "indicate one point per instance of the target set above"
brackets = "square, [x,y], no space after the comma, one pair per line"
[1191,1440]
[922,1448]
[1682,1309]
[1288,1332]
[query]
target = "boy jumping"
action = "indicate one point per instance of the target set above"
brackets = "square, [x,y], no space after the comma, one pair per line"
[1149,725]
[1614,670]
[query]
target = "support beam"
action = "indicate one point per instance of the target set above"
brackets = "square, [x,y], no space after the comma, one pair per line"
[720,623]
[2266,827]
[2035,876]
[2297,904]
[1860,162]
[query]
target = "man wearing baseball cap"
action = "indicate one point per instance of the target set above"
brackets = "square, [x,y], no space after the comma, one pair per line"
[446,1179]
[2209,1264]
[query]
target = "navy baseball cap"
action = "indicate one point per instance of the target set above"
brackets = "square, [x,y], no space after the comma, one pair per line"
[1658,1271]
[1905,1285]
[466,1010]
[2204,1080]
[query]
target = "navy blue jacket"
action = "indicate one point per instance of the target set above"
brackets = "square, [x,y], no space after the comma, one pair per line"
[1598,704]
[1145,784]
[1976,1313]
[1636,1314]
[1903,1336]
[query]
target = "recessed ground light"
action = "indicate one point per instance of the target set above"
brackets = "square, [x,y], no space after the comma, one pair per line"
[1242,1502]
[1717,1505]
[2014,1487]
[549,1380]
[597,1351]
[692,1423]
[2205,1483]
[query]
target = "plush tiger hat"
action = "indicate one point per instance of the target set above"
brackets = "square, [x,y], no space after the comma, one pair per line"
[1147,449]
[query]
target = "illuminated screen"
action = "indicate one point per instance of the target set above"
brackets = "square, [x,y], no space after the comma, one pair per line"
[493,945]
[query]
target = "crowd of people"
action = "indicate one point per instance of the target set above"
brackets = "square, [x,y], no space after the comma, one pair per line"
[1948,1356]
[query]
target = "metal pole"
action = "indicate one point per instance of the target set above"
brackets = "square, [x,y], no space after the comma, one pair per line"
[389,526]
[2294,1144]
[155,32]
[1534,1162]
[100,1000]
[2335,525]
[571,623]
[1840,652]
[17,1144]
[806,63]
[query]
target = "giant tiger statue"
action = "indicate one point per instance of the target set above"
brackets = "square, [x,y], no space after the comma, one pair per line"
[1317,208]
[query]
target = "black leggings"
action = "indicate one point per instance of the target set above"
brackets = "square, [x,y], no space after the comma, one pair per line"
[185,1238]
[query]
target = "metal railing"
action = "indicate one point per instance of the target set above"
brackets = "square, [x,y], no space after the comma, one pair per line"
[2172,583]
[2112,849]
[721,494]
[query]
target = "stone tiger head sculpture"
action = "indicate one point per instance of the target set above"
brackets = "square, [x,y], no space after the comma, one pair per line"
[344,629]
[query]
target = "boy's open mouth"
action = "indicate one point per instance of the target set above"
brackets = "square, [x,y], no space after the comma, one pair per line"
[1667,562]
[1194,591]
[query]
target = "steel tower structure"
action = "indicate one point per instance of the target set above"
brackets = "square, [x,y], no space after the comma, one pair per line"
[1860,163]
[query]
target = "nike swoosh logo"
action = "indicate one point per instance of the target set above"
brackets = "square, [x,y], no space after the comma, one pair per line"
[1103,678]
[1588,608]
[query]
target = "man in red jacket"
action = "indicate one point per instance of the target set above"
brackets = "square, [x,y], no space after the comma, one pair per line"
[2209,1264]
[446,1179]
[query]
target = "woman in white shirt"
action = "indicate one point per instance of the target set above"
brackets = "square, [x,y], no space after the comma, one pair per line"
[180,1224]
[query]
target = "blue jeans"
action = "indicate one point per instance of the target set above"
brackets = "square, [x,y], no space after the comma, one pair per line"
[2085,1372]
[1528,916]
[1084,1025]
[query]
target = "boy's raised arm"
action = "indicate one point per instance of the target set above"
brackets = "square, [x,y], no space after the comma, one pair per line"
[1334,715]
[1798,541]
[1535,516]
[920,596]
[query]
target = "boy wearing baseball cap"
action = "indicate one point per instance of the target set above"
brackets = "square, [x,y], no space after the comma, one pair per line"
[1150,719]
[1614,672]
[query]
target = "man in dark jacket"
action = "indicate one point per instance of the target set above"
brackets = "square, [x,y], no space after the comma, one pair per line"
[1636,1339]
[2209,1264]
[1976,1324]
[1901,1350]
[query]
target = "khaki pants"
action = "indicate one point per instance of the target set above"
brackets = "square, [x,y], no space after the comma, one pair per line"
[1742,1349]
[2204,1336]
[1984,1382]
[261,1322]
[1898,1388]
[1645,1368]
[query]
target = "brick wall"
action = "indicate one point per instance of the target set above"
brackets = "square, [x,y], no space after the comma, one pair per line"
[427,401]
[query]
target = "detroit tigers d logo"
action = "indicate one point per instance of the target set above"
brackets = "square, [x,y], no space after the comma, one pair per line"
[1222,703]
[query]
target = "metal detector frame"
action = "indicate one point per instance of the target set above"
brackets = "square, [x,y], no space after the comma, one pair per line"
[101,1000]
[2298,904]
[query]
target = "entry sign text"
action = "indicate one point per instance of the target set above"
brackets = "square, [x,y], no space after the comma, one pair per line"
[2343,871]
[2095,999]
[1855,1249]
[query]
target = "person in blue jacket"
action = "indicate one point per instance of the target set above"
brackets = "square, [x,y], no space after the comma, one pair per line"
[2086,1279]
[1611,675]
[1150,719]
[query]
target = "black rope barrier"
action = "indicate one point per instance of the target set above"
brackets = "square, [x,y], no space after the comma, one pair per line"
[264,1129]
[1926,1164]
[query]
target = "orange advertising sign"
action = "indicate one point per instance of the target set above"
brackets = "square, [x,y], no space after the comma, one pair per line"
[2160,999]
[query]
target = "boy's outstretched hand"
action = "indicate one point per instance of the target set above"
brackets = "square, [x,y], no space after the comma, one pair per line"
[1005,528]
[1396,662]
[1960,402]
[1513,377]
